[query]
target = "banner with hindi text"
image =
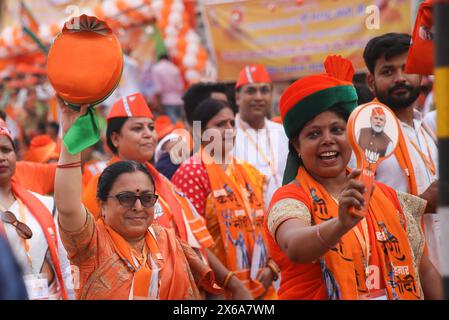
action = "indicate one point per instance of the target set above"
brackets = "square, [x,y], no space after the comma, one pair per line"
[292,38]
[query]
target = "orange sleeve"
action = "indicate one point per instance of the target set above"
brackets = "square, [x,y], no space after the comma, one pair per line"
[36,177]
[90,197]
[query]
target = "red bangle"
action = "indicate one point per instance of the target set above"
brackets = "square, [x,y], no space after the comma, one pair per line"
[323,242]
[69,165]
[274,268]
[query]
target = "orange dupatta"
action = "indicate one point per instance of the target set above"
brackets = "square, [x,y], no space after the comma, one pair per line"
[343,268]
[145,283]
[240,213]
[47,223]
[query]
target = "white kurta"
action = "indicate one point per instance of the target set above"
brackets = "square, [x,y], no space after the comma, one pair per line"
[31,262]
[391,173]
[260,148]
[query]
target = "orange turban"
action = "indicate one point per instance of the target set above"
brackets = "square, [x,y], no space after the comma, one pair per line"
[42,149]
[309,96]
[253,74]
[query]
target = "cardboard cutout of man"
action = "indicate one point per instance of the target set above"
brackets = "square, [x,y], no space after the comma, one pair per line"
[374,138]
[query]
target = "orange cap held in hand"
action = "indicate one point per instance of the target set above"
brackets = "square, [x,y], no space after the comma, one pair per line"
[85,61]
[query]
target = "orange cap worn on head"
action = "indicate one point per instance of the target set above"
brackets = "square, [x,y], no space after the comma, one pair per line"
[85,61]
[253,74]
[163,126]
[4,131]
[131,106]
[42,149]
[378,111]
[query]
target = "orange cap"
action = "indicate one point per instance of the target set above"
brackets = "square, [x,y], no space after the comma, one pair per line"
[85,62]
[253,74]
[131,106]
[377,111]
[163,126]
[42,149]
[4,131]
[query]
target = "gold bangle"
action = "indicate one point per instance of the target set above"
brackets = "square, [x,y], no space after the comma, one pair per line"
[226,280]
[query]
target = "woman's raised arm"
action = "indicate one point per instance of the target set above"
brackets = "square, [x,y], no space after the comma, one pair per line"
[72,215]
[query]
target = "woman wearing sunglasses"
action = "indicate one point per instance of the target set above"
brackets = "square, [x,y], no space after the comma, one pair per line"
[131,136]
[122,254]
[28,225]
[323,250]
[229,195]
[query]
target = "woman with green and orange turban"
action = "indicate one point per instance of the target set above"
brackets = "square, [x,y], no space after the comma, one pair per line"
[323,251]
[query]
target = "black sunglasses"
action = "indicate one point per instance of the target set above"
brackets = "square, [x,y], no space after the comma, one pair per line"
[21,228]
[128,199]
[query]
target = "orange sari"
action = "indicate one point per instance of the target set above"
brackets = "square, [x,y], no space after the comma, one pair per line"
[340,273]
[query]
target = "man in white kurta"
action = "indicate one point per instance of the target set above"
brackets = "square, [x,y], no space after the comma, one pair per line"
[259,141]
[385,57]
[266,149]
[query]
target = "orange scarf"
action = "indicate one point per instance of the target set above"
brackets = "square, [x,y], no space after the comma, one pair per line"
[240,213]
[403,157]
[343,268]
[146,280]
[47,223]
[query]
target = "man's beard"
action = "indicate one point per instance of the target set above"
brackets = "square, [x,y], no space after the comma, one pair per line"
[398,103]
[377,129]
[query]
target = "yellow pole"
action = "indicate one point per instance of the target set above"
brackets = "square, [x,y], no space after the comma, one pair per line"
[441,25]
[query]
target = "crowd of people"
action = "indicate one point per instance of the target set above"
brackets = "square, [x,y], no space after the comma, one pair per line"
[201,194]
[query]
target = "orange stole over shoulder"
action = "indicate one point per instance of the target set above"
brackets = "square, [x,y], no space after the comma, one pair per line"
[405,162]
[173,203]
[145,283]
[340,273]
[174,281]
[240,213]
[47,223]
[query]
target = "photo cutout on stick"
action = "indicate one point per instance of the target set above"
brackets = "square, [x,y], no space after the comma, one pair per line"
[376,132]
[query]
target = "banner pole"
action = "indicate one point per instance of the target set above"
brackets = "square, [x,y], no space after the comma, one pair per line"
[441,24]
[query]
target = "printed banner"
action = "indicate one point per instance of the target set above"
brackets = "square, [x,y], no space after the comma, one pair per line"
[292,38]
